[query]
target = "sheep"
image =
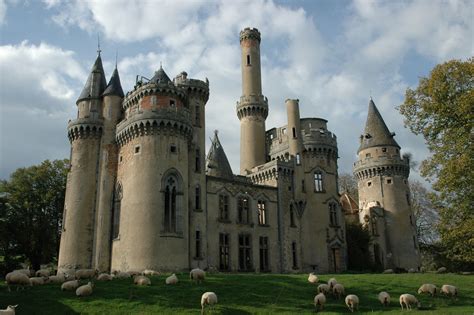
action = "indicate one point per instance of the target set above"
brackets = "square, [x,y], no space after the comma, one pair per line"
[27,272]
[442,270]
[10,310]
[319,301]
[352,302]
[332,282]
[122,275]
[43,273]
[84,290]
[18,279]
[407,300]
[197,275]
[38,280]
[141,280]
[412,270]
[384,298]
[312,278]
[150,273]
[59,278]
[172,279]
[70,285]
[86,273]
[105,277]
[323,288]
[208,298]
[449,290]
[338,290]
[388,271]
[428,288]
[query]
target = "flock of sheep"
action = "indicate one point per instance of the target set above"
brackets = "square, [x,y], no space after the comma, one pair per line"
[71,282]
[352,301]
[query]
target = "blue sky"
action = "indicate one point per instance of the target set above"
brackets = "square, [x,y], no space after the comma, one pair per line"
[332,55]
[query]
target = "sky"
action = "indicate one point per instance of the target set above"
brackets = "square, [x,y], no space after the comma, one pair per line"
[331,55]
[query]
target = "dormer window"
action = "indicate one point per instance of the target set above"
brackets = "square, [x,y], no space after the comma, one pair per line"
[248,60]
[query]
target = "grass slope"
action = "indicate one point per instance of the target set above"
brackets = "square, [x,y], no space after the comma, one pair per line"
[242,294]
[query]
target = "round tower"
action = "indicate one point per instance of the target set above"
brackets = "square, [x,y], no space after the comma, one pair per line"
[150,229]
[85,134]
[382,176]
[252,110]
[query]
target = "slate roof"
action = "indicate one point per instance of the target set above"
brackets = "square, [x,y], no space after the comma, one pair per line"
[216,162]
[160,77]
[114,87]
[376,132]
[96,82]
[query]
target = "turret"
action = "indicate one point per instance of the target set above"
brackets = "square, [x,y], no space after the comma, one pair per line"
[295,141]
[252,110]
[217,164]
[384,198]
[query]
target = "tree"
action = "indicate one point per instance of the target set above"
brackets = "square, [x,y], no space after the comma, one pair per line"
[425,213]
[31,212]
[348,184]
[441,109]
[358,241]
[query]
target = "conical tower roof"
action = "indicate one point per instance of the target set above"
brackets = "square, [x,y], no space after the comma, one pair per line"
[376,133]
[216,163]
[96,82]
[160,77]
[114,87]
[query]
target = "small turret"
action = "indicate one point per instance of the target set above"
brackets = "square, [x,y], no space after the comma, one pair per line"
[216,163]
[114,87]
[95,84]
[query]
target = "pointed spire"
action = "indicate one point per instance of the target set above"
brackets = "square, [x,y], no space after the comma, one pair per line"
[216,162]
[376,132]
[114,87]
[160,76]
[96,82]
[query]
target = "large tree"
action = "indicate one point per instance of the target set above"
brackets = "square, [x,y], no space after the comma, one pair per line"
[31,208]
[426,216]
[348,184]
[441,109]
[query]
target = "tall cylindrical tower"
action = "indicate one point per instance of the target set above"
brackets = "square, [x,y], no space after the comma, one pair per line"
[294,129]
[85,134]
[384,193]
[252,110]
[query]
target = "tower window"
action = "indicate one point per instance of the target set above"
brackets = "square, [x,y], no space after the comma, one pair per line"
[298,159]
[173,148]
[137,149]
[264,265]
[248,60]
[367,155]
[294,132]
[333,219]
[243,210]
[223,207]
[369,184]
[198,244]
[224,261]
[384,149]
[197,198]
[117,198]
[318,181]
[293,251]
[170,205]
[120,158]
[262,215]
[292,216]
[197,117]
[198,161]
[389,181]
[302,186]
[172,103]
[283,131]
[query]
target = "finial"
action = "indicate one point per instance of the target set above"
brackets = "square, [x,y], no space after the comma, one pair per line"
[161,65]
[371,95]
[216,132]
[116,58]
[98,44]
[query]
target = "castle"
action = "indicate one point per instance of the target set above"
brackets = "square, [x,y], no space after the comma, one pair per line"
[142,194]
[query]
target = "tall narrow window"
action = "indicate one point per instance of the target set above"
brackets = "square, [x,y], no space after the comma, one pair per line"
[292,216]
[294,254]
[198,161]
[248,60]
[243,210]
[116,211]
[197,197]
[170,205]
[197,117]
[224,261]
[224,207]
[294,132]
[333,219]
[245,258]
[198,244]
[264,265]
[298,159]
[318,181]
[262,215]
[303,189]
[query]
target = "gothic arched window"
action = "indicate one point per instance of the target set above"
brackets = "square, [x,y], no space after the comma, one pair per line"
[333,219]
[170,204]
[117,201]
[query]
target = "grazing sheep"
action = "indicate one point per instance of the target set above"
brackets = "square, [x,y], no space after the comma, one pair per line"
[352,302]
[442,270]
[197,275]
[70,285]
[38,280]
[134,273]
[141,280]
[332,282]
[208,298]
[407,300]
[105,277]
[412,270]
[323,288]
[27,272]
[86,273]
[172,279]
[10,310]
[428,288]
[84,290]
[338,290]
[43,273]
[17,279]
[319,301]
[150,273]
[384,298]
[312,278]
[122,275]
[59,278]
[449,290]
[388,271]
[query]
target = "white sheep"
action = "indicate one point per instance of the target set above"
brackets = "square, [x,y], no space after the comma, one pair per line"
[408,300]
[27,272]
[352,302]
[442,270]
[84,290]
[384,298]
[150,272]
[38,280]
[122,275]
[412,270]
[197,275]
[10,310]
[105,277]
[86,273]
[208,298]
[59,278]
[319,301]
[388,271]
[141,280]
[70,285]
[313,278]
[172,279]
[17,279]
[43,273]
[338,290]
[428,288]
[449,290]
[332,282]
[323,288]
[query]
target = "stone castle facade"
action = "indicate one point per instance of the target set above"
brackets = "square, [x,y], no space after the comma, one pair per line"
[142,194]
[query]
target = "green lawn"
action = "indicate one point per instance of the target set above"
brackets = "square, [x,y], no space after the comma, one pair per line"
[242,294]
